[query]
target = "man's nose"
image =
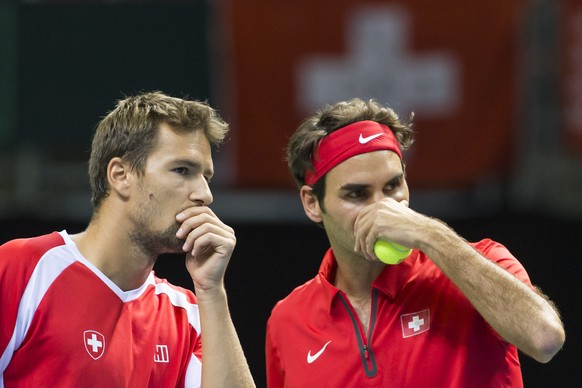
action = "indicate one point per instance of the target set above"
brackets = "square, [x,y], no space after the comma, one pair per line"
[398,195]
[201,194]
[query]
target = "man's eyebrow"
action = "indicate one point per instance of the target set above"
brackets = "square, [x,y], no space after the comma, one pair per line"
[187,162]
[193,164]
[354,186]
[362,186]
[396,178]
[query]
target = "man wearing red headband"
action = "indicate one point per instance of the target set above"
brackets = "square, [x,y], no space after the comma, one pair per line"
[452,314]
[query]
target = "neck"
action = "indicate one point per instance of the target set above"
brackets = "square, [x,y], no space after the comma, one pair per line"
[355,276]
[114,254]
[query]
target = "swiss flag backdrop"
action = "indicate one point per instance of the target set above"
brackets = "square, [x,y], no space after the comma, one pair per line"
[451,62]
[571,74]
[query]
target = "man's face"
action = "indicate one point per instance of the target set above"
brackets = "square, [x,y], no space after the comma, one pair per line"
[354,184]
[176,177]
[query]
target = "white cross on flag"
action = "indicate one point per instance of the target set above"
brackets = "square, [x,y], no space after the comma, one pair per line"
[415,323]
[94,343]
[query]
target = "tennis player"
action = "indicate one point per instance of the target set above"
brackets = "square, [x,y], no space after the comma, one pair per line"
[86,309]
[452,314]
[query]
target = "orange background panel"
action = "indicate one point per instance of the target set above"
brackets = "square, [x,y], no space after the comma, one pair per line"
[270,38]
[571,75]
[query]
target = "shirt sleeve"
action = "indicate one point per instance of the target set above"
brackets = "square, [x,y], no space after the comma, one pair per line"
[193,375]
[14,277]
[18,260]
[193,378]
[500,255]
[275,372]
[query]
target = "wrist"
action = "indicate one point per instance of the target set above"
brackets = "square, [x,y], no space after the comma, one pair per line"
[212,294]
[438,239]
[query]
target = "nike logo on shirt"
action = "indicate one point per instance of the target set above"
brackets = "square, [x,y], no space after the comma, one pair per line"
[311,358]
[364,140]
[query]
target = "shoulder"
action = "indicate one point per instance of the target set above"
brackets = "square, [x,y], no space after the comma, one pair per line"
[494,251]
[301,296]
[27,252]
[32,245]
[28,264]
[488,246]
[500,254]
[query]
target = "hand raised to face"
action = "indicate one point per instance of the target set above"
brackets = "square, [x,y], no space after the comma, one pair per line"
[208,244]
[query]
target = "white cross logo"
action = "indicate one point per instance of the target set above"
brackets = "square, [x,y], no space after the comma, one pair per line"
[380,64]
[416,323]
[95,344]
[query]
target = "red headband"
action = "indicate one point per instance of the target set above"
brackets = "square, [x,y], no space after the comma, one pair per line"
[354,139]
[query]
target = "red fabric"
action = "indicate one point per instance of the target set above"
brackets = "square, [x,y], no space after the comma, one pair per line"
[266,49]
[570,14]
[81,330]
[354,139]
[426,334]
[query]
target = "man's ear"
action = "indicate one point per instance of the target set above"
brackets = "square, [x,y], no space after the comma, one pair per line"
[119,177]
[310,204]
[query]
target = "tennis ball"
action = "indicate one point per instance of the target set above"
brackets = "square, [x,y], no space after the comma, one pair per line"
[390,253]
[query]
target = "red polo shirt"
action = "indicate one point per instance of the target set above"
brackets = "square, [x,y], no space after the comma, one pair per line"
[63,323]
[423,332]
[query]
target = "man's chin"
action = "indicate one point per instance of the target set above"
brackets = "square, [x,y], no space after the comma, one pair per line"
[170,243]
[173,246]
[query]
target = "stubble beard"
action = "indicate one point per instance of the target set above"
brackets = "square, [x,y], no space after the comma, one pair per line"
[154,242]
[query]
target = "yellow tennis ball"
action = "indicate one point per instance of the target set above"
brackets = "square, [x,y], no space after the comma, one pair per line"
[390,253]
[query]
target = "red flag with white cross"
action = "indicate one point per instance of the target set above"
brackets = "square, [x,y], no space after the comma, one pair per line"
[415,323]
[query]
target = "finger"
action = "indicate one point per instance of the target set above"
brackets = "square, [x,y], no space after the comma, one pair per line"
[210,243]
[360,227]
[366,228]
[373,222]
[207,229]
[193,218]
[185,219]
[190,224]
[193,212]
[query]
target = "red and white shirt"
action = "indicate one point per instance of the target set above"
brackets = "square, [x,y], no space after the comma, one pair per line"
[423,332]
[64,323]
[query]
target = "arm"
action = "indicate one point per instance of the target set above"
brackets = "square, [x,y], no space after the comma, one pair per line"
[209,245]
[519,314]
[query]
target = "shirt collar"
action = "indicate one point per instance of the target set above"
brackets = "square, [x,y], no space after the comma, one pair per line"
[326,275]
[389,282]
[393,277]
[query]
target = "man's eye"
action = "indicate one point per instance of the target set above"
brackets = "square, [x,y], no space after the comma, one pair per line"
[356,194]
[181,170]
[394,185]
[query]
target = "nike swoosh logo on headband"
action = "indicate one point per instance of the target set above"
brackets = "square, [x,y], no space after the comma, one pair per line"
[364,140]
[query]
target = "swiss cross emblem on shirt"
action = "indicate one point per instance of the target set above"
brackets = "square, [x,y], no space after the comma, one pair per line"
[94,343]
[415,323]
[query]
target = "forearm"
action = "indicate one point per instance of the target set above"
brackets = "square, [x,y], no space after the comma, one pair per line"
[519,314]
[223,360]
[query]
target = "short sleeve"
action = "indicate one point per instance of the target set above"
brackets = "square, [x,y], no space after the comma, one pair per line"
[500,255]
